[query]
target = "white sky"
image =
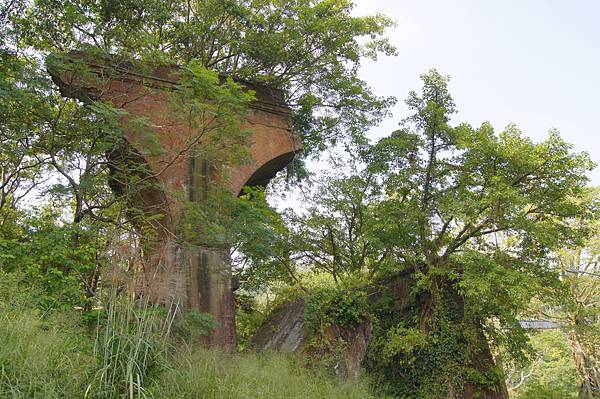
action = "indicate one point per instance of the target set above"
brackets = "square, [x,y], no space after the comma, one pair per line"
[532,62]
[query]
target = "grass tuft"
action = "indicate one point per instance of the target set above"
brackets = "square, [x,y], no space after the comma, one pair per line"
[131,348]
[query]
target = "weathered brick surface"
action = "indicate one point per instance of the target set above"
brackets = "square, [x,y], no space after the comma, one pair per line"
[200,277]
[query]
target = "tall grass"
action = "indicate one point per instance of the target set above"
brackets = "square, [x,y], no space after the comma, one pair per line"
[202,374]
[41,356]
[131,348]
[40,360]
[133,356]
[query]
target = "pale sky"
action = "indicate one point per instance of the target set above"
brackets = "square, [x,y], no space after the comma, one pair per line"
[535,63]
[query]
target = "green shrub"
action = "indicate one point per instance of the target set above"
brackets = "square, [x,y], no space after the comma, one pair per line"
[334,306]
[189,326]
[42,251]
[250,314]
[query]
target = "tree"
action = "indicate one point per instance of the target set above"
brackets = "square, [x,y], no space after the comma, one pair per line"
[453,228]
[21,113]
[40,132]
[577,309]
[332,232]
[475,217]
[550,374]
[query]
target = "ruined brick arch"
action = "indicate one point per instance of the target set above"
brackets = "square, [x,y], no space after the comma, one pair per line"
[272,143]
[263,174]
[199,276]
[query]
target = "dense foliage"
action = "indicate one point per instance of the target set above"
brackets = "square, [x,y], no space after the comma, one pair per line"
[442,237]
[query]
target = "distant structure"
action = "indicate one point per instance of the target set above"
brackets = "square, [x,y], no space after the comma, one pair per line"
[539,325]
[199,276]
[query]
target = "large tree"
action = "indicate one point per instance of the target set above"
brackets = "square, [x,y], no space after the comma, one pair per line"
[453,229]
[475,216]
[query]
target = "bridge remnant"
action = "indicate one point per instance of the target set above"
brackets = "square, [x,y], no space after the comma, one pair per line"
[198,275]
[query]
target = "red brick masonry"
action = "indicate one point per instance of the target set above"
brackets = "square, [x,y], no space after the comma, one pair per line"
[199,277]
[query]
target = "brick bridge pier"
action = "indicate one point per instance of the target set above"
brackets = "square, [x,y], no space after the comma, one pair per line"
[199,277]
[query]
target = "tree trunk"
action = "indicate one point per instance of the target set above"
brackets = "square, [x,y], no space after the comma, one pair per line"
[586,364]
